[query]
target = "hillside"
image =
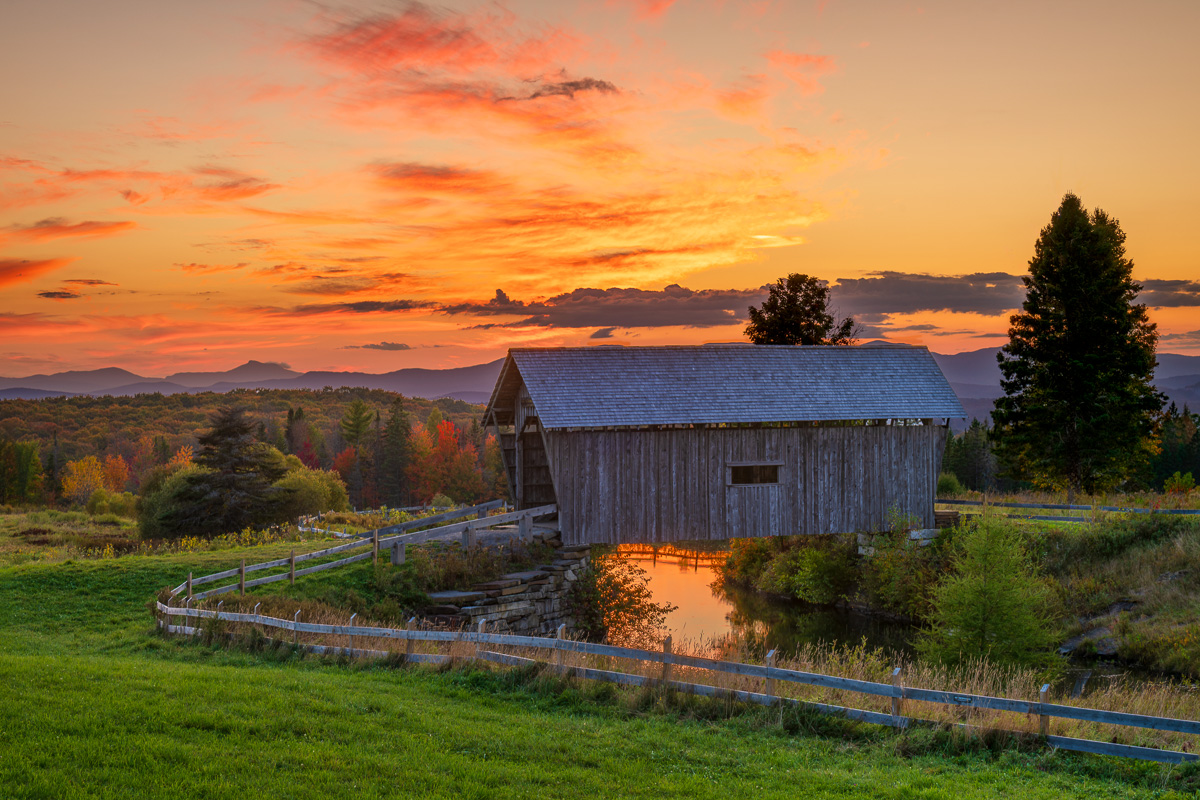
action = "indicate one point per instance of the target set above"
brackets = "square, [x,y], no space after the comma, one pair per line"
[87,425]
[109,709]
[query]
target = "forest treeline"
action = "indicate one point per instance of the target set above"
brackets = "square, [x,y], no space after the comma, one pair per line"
[387,449]
[972,460]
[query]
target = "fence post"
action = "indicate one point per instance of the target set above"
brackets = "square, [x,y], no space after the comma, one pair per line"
[187,621]
[666,672]
[468,536]
[398,554]
[770,664]
[408,640]
[292,567]
[295,633]
[558,653]
[896,684]
[242,578]
[1044,719]
[189,588]
[351,635]
[481,513]
[375,546]
[525,526]
[479,629]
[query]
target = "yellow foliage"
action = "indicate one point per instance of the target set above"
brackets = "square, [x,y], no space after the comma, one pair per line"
[82,478]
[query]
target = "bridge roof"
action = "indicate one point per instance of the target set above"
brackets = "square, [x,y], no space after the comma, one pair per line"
[590,387]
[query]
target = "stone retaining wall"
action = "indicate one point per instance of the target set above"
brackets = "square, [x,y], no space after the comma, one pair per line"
[523,603]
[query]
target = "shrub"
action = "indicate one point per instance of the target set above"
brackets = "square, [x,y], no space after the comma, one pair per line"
[311,491]
[442,501]
[948,485]
[900,576]
[1179,484]
[102,501]
[159,498]
[747,559]
[819,571]
[992,606]
[610,600]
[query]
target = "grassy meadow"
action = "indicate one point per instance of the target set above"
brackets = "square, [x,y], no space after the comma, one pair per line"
[96,704]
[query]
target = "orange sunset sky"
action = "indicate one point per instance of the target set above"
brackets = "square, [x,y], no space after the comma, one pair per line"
[380,185]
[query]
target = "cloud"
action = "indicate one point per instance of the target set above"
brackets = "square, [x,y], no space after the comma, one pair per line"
[230,184]
[431,178]
[90,282]
[18,270]
[421,39]
[647,9]
[802,69]
[379,346]
[1170,293]
[603,333]
[360,307]
[208,269]
[888,292]
[59,228]
[569,88]
[1191,337]
[61,294]
[620,308]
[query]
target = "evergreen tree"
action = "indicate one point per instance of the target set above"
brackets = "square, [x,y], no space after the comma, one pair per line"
[991,605]
[394,461]
[234,489]
[795,312]
[356,423]
[969,456]
[1079,410]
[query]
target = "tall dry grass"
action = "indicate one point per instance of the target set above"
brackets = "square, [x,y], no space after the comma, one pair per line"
[1174,700]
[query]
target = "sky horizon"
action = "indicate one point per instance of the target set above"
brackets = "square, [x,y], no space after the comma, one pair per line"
[371,186]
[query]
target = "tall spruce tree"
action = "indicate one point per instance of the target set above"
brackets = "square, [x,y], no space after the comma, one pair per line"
[393,473]
[1079,411]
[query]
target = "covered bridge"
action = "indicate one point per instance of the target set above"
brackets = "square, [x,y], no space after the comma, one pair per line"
[659,444]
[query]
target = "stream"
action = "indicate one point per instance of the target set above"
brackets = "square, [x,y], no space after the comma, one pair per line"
[708,613]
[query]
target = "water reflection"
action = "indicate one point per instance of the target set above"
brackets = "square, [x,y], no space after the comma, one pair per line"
[708,613]
[720,619]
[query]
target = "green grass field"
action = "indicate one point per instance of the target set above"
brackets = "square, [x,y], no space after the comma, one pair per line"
[94,704]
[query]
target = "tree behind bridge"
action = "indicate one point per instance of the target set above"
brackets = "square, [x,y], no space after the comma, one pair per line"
[1079,411]
[796,312]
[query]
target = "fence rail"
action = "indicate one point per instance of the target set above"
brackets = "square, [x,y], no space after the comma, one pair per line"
[469,529]
[1085,519]
[1065,507]
[770,674]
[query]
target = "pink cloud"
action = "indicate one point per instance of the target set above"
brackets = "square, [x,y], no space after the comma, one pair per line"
[803,69]
[20,270]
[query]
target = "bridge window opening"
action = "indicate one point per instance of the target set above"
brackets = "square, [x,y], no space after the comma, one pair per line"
[753,474]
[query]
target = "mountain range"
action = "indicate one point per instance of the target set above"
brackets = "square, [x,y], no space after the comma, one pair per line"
[473,384]
[974,376]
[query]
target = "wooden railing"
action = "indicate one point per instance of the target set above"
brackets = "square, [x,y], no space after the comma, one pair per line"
[1095,510]
[771,676]
[394,536]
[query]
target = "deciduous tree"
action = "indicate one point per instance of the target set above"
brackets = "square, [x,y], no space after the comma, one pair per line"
[796,312]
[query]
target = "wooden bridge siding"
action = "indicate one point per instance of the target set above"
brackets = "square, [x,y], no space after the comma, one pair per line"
[670,485]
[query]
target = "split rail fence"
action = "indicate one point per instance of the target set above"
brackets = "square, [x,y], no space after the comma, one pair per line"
[1093,515]
[479,641]
[394,537]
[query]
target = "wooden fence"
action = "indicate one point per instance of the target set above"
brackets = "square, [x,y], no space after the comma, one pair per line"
[395,537]
[1093,516]
[767,672]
